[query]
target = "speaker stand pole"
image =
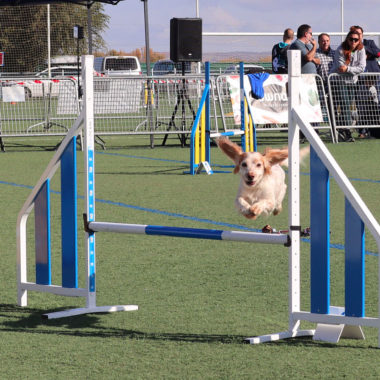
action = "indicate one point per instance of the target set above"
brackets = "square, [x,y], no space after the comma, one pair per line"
[183,124]
[181,96]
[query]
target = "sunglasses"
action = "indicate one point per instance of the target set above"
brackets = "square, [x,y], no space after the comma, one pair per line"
[353,39]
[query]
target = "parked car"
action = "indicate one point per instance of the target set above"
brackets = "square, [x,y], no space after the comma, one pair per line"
[235,69]
[60,71]
[168,67]
[117,65]
[43,84]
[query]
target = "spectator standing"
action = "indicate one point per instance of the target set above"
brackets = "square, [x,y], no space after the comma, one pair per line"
[371,50]
[279,53]
[369,91]
[350,60]
[308,47]
[325,55]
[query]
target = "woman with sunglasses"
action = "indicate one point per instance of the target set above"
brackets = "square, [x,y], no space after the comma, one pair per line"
[369,88]
[349,60]
[371,50]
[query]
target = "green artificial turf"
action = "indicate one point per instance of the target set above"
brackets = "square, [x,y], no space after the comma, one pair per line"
[198,299]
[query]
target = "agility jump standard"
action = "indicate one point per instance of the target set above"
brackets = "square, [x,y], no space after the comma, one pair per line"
[200,156]
[39,200]
[332,322]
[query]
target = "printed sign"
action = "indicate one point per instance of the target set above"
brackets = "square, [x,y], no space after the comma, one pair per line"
[13,94]
[273,107]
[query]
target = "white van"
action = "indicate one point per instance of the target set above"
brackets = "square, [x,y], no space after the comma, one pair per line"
[117,65]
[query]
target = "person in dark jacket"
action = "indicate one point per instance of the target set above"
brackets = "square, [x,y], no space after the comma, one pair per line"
[279,53]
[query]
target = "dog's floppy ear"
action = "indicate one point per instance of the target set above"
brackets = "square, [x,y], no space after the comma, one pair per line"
[267,166]
[231,149]
[275,156]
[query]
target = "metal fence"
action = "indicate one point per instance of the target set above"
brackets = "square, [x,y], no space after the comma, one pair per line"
[125,105]
[147,106]
[276,102]
[168,105]
[31,107]
[354,101]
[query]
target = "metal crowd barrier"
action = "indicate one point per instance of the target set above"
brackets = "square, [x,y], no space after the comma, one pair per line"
[354,101]
[35,107]
[273,102]
[161,105]
[166,105]
[140,105]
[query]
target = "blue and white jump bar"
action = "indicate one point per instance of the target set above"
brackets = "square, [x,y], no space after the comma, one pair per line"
[228,133]
[195,233]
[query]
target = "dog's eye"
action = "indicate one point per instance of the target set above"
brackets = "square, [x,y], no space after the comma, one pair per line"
[244,164]
[258,165]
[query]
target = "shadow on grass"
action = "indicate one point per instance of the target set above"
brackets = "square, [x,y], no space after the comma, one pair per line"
[29,321]
[14,147]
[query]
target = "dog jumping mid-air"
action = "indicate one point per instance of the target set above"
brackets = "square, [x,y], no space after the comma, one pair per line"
[262,180]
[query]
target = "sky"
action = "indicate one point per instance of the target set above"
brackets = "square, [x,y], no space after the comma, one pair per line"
[126,27]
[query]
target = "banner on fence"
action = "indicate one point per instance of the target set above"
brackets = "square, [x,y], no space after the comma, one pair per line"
[67,98]
[118,96]
[13,94]
[273,107]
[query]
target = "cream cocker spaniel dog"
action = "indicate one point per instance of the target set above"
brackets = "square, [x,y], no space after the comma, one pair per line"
[262,180]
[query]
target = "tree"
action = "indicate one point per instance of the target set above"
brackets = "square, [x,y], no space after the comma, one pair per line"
[154,56]
[24,33]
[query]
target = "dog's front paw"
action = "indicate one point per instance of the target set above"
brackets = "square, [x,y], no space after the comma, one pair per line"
[250,215]
[256,210]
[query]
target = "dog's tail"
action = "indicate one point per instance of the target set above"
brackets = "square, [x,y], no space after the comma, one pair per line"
[304,152]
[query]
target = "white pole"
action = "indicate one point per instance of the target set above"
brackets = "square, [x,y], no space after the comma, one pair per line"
[274,34]
[294,59]
[378,293]
[342,18]
[48,39]
[89,29]
[197,16]
[89,168]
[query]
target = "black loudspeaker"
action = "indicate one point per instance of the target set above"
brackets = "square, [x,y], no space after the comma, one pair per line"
[186,39]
